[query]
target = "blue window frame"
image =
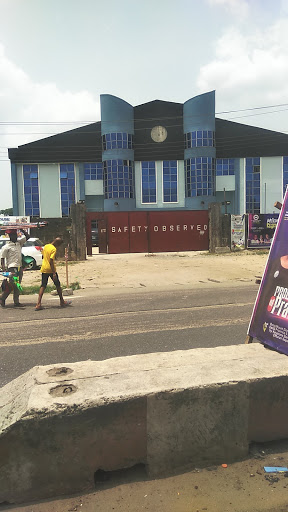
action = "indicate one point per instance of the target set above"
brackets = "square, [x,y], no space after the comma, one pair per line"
[118,179]
[170,181]
[225,167]
[93,171]
[285,173]
[67,183]
[31,190]
[148,182]
[117,141]
[200,176]
[199,138]
[253,185]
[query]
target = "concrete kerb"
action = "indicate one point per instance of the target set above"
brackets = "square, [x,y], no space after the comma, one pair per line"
[170,411]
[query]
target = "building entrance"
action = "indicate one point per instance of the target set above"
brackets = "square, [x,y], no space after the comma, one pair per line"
[124,232]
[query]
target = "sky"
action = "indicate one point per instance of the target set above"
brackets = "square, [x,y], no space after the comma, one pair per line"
[58,56]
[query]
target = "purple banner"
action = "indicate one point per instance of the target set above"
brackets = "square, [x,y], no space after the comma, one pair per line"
[269,321]
[261,230]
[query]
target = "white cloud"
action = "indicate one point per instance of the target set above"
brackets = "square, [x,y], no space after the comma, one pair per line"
[239,8]
[249,71]
[22,100]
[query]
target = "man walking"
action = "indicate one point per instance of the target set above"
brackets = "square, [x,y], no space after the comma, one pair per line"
[11,261]
[48,269]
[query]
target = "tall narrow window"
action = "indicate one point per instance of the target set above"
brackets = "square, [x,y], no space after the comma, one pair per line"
[118,179]
[253,185]
[67,181]
[200,176]
[170,185]
[148,182]
[31,190]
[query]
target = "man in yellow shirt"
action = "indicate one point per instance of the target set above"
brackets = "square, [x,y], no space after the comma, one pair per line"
[48,269]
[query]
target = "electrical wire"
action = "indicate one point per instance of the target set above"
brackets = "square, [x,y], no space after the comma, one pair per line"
[229,142]
[204,114]
[232,140]
[136,129]
[148,119]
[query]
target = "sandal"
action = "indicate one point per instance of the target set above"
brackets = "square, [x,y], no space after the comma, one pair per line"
[66,303]
[38,308]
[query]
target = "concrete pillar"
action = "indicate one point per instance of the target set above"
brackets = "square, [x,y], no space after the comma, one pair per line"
[219,229]
[78,231]
[215,226]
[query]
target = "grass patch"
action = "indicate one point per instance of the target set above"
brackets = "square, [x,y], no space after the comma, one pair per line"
[31,290]
[61,263]
[240,252]
[75,285]
[258,251]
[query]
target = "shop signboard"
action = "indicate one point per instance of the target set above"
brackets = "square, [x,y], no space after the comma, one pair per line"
[13,219]
[261,228]
[269,321]
[7,220]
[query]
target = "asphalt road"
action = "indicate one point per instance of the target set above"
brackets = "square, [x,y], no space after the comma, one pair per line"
[101,325]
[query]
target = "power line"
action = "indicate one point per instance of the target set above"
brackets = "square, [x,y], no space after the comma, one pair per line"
[228,142]
[252,108]
[207,114]
[82,132]
[263,137]
[260,114]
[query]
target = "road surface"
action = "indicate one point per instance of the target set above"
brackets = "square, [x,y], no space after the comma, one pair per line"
[102,325]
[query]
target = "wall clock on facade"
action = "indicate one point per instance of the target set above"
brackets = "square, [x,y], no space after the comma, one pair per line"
[158,133]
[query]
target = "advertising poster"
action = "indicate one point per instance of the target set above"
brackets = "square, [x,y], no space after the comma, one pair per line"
[261,228]
[237,232]
[269,321]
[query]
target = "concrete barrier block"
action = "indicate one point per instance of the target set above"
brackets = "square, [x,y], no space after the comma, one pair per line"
[67,291]
[59,424]
[268,415]
[44,454]
[197,427]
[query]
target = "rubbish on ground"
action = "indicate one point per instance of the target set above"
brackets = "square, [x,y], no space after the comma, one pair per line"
[275,469]
[224,465]
[272,479]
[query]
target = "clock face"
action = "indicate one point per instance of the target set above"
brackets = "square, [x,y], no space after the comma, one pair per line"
[158,133]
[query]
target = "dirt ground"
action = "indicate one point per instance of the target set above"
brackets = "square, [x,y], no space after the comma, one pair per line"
[242,486]
[124,272]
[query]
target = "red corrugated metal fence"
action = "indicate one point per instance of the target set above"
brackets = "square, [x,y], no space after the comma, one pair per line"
[123,232]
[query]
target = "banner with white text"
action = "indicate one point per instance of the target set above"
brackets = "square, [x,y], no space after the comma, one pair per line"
[261,229]
[269,321]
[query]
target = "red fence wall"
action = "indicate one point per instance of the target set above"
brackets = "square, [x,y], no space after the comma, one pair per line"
[121,232]
[178,231]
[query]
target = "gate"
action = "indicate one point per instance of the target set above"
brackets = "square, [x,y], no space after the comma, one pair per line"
[157,231]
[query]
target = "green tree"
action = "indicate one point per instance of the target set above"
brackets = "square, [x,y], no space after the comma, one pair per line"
[8,211]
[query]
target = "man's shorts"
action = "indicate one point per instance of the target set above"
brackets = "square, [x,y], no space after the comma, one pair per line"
[45,278]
